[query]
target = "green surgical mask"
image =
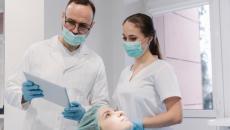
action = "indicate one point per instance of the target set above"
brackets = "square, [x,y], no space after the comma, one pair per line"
[70,38]
[133,49]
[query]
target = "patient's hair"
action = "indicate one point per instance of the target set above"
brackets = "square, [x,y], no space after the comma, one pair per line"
[90,119]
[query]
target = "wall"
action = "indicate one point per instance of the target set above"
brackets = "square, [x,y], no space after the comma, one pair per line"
[1,5]
[186,61]
[1,63]
[225,26]
[118,58]
[1,22]
[1,59]
[101,34]
[53,16]
[162,6]
[25,25]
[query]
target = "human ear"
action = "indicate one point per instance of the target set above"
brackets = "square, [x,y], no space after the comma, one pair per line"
[63,18]
[150,39]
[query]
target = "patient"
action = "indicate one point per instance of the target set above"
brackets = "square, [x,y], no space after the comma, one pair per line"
[104,118]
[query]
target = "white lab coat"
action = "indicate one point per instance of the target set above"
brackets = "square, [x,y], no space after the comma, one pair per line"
[143,96]
[81,72]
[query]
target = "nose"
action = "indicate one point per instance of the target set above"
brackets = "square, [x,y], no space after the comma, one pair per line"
[75,30]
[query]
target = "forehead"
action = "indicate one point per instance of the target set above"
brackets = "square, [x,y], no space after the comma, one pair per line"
[79,13]
[130,28]
[104,109]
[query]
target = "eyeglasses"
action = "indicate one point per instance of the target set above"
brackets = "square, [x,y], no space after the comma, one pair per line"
[83,28]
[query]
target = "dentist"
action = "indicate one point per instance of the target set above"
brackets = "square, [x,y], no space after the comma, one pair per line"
[64,60]
[148,91]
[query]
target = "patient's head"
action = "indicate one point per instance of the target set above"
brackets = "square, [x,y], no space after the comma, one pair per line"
[104,118]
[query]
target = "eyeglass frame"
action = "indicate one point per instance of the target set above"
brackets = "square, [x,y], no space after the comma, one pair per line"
[79,29]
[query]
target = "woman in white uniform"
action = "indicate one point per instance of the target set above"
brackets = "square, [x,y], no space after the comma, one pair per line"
[147,91]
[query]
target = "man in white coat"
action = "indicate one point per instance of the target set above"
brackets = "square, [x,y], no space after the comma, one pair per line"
[64,60]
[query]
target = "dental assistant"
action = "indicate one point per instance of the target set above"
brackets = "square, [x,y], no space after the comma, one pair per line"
[147,91]
[64,60]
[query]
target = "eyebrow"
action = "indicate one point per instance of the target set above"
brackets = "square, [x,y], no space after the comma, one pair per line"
[132,35]
[70,19]
[104,114]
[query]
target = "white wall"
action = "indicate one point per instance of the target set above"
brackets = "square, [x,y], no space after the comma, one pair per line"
[1,5]
[2,47]
[100,36]
[1,71]
[133,6]
[25,25]
[118,58]
[1,60]
[225,22]
[1,124]
[53,13]
[162,6]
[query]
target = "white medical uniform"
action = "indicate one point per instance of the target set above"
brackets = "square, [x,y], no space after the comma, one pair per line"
[82,72]
[144,95]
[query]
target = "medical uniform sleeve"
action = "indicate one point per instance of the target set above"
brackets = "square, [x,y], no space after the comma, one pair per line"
[166,83]
[13,90]
[99,93]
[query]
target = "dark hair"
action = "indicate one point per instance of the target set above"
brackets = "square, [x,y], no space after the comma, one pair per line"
[145,23]
[84,2]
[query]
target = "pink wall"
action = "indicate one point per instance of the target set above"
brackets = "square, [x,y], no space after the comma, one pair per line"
[178,33]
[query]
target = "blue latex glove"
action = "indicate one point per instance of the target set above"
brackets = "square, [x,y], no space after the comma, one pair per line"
[31,91]
[74,111]
[138,126]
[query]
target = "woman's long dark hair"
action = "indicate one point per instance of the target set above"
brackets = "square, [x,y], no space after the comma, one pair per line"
[145,23]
